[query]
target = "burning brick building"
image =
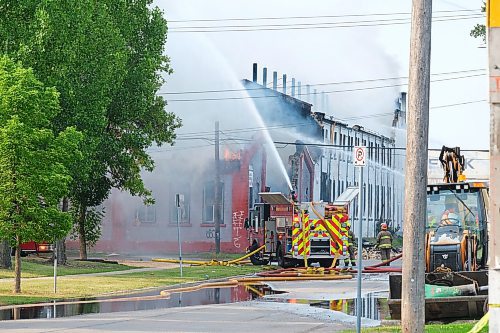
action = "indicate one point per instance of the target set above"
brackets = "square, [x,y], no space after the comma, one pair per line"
[297,146]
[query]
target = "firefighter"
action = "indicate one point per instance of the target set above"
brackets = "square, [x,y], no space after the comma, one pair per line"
[384,242]
[350,244]
[449,216]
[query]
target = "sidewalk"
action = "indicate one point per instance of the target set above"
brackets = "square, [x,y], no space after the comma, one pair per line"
[247,317]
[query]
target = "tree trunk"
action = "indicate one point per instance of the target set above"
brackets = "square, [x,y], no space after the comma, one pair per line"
[5,255]
[61,252]
[81,233]
[17,287]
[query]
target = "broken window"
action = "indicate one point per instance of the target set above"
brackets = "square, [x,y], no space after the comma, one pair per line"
[209,202]
[145,214]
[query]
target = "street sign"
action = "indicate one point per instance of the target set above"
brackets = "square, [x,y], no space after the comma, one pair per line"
[360,156]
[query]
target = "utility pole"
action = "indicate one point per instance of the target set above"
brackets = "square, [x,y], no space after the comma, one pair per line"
[493,33]
[217,199]
[413,288]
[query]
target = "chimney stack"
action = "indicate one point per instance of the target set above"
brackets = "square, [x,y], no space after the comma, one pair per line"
[275,80]
[284,84]
[254,78]
[293,87]
[264,77]
[315,99]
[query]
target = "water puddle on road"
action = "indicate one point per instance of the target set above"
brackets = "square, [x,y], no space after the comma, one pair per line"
[98,305]
[374,305]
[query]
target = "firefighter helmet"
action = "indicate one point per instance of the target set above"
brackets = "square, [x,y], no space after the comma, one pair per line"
[383,226]
[450,219]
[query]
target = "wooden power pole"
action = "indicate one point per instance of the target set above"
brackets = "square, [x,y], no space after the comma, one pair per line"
[413,288]
[494,241]
[218,191]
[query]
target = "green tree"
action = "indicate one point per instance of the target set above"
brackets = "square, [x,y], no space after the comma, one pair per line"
[479,30]
[106,59]
[33,161]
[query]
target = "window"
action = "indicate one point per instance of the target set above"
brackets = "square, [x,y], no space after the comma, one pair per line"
[370,193]
[145,214]
[209,203]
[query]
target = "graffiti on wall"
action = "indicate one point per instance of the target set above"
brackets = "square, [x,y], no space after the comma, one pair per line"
[210,233]
[238,224]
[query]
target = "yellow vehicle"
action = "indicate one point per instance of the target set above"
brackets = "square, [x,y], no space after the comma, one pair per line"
[457,226]
[457,218]
[299,233]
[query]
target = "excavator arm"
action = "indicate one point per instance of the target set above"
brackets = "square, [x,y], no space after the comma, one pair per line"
[453,164]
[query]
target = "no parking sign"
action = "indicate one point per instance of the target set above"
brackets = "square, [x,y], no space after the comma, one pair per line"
[360,156]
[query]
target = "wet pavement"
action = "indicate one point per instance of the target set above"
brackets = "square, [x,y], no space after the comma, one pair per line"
[328,303]
[319,306]
[135,302]
[242,317]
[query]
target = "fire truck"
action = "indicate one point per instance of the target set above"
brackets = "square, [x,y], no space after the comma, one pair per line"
[32,247]
[298,233]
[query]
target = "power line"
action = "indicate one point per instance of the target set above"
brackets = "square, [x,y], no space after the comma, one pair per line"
[312,93]
[328,145]
[456,104]
[312,85]
[319,23]
[313,16]
[199,135]
[305,26]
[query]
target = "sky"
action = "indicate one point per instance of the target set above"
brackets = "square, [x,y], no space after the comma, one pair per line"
[371,48]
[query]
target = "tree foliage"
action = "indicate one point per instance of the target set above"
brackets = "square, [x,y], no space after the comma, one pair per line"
[106,59]
[479,30]
[34,161]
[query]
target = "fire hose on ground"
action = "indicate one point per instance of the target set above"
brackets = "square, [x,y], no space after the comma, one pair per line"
[377,268]
[252,280]
[283,274]
[211,262]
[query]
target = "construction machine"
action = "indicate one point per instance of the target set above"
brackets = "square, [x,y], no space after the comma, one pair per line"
[296,233]
[457,215]
[456,246]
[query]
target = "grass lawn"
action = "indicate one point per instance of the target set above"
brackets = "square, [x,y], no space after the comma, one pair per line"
[431,328]
[37,290]
[38,267]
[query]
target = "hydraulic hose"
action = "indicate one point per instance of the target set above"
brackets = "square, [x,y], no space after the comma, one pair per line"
[387,261]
